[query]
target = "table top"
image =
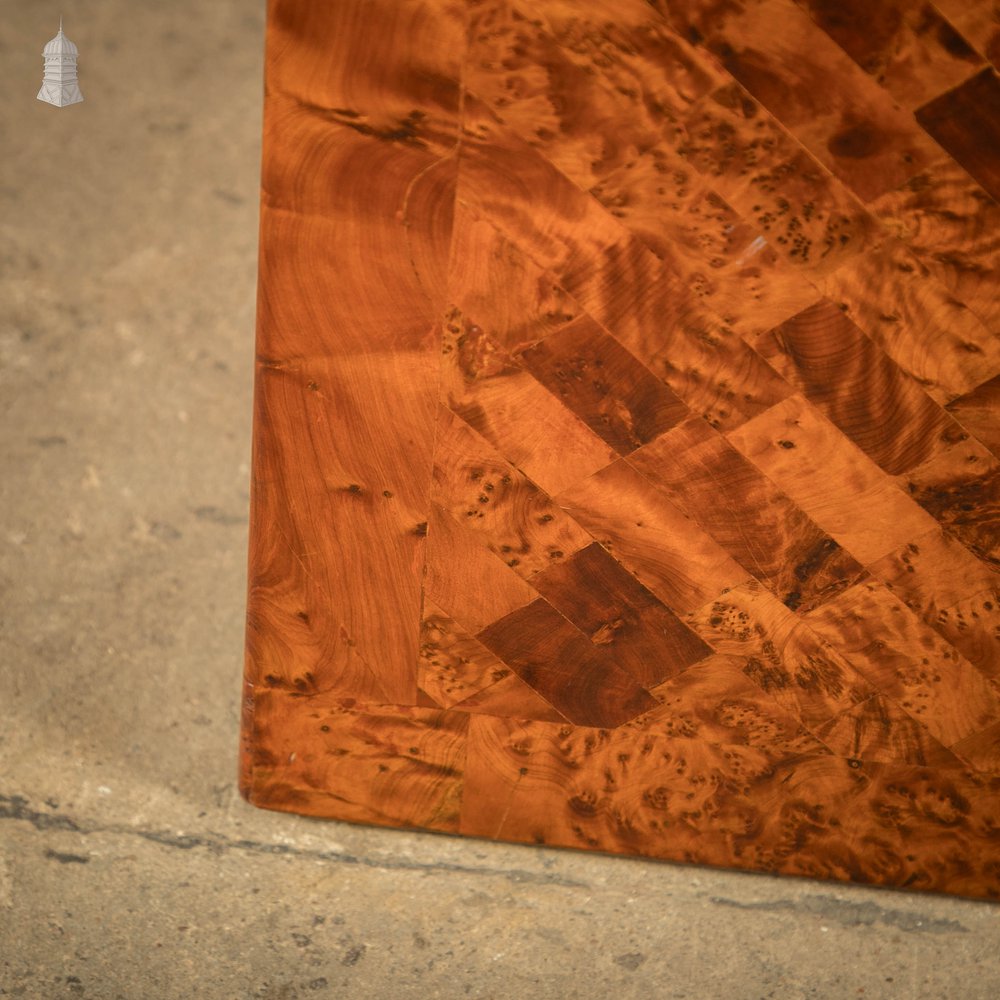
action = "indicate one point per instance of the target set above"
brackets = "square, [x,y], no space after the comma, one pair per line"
[626,433]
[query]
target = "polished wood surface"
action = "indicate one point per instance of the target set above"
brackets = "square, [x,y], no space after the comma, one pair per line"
[626,464]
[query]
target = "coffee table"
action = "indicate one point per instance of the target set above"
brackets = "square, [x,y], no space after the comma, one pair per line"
[625,457]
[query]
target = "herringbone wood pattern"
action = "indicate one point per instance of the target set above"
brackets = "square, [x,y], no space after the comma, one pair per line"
[627,453]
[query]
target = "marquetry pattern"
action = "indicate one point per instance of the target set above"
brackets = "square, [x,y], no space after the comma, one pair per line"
[627,435]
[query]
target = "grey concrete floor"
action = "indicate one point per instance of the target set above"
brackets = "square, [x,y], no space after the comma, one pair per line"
[129,866]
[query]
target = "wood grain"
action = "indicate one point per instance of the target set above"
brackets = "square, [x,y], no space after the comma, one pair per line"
[515,412]
[511,697]
[686,222]
[720,704]
[500,289]
[953,227]
[689,801]
[859,388]
[966,122]
[367,763]
[979,412]
[547,94]
[572,671]
[801,211]
[906,661]
[666,551]
[770,538]
[596,378]
[978,21]
[909,48]
[857,504]
[878,729]
[960,488]
[784,59]
[453,665]
[464,578]
[292,581]
[614,276]
[482,490]
[626,450]
[640,634]
[963,607]
[907,303]
[784,657]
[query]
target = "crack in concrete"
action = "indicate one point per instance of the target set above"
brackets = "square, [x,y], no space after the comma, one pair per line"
[849,914]
[17,807]
[66,859]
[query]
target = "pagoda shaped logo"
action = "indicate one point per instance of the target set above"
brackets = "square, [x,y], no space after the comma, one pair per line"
[59,85]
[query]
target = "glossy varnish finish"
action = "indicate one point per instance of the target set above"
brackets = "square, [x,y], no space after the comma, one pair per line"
[626,462]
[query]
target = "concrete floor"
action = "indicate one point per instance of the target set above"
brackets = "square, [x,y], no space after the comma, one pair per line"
[129,866]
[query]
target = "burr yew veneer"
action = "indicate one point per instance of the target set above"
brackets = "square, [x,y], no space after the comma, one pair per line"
[626,464]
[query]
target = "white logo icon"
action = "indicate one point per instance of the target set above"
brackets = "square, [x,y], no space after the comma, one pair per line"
[59,85]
